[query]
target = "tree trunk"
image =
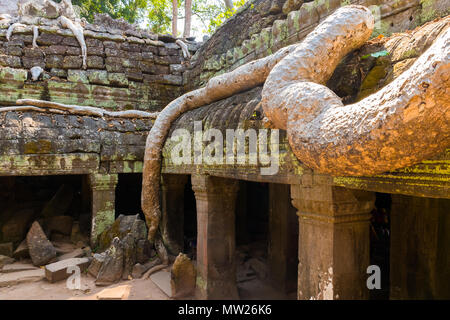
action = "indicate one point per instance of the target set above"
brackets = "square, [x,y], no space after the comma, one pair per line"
[188,18]
[229,4]
[174,17]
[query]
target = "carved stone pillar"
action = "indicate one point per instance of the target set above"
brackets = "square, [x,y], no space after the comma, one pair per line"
[283,238]
[172,205]
[103,188]
[334,244]
[420,248]
[216,267]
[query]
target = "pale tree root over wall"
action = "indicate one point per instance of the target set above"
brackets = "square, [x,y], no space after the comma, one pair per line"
[369,137]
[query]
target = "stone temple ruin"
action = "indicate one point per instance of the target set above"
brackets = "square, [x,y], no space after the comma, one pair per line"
[87,112]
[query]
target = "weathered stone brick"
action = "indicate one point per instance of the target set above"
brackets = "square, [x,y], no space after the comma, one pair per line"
[112,52]
[134,74]
[114,64]
[77,76]
[95,51]
[58,72]
[33,52]
[70,41]
[111,44]
[49,39]
[10,61]
[73,51]
[54,61]
[146,66]
[146,55]
[33,62]
[91,42]
[98,77]
[95,62]
[56,49]
[175,68]
[162,51]
[150,48]
[162,60]
[72,62]
[133,47]
[14,50]
[160,69]
[118,79]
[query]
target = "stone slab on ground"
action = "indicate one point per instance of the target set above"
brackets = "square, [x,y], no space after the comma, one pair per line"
[116,293]
[17,267]
[58,271]
[162,280]
[4,260]
[22,251]
[77,253]
[6,249]
[14,278]
[41,250]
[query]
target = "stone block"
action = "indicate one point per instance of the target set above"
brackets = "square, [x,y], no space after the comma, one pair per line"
[40,248]
[72,62]
[98,77]
[183,277]
[59,270]
[6,249]
[14,278]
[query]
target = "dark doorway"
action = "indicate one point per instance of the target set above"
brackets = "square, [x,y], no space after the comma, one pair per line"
[380,243]
[128,195]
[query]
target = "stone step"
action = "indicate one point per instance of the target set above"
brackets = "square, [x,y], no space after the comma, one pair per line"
[116,293]
[162,280]
[14,278]
[77,253]
[58,271]
[17,267]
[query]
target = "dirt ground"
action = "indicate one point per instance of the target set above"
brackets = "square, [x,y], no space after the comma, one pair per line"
[140,290]
[43,290]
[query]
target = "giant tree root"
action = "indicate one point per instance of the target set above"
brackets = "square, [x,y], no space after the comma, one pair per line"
[355,24]
[402,124]
[77,31]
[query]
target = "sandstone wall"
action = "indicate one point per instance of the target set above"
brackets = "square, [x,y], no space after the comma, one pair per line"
[124,71]
[278,30]
[112,142]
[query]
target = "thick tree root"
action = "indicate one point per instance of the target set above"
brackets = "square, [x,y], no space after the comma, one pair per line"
[48,106]
[77,31]
[184,49]
[242,78]
[35,36]
[379,133]
[369,137]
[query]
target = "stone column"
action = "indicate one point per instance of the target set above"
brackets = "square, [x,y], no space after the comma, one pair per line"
[216,266]
[172,206]
[334,244]
[103,188]
[283,238]
[420,248]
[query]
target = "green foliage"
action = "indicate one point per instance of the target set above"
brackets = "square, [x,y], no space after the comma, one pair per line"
[224,14]
[130,10]
[159,16]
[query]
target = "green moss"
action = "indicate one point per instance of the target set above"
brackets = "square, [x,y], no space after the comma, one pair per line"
[41,146]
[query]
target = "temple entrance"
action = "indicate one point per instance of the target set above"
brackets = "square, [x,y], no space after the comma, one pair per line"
[261,257]
[380,235]
[128,195]
[190,221]
[61,204]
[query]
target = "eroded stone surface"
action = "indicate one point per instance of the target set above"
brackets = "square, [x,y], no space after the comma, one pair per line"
[40,248]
